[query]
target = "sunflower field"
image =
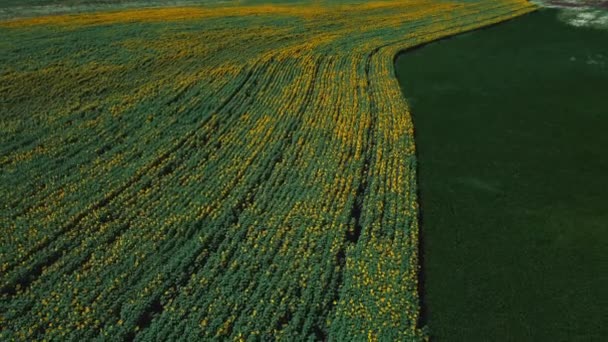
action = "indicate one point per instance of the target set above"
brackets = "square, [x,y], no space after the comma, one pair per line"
[233,172]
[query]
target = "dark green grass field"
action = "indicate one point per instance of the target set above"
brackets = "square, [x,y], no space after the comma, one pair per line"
[512,138]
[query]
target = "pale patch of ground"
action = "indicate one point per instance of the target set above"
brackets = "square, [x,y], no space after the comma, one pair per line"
[586,17]
[598,60]
[580,13]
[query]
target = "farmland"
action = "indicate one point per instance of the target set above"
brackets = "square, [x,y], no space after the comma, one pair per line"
[512,184]
[241,172]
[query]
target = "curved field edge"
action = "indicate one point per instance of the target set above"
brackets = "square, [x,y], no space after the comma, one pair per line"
[205,174]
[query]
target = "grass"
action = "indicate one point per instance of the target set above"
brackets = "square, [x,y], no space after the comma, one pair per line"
[511,141]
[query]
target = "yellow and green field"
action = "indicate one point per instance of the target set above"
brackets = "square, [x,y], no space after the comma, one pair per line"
[236,172]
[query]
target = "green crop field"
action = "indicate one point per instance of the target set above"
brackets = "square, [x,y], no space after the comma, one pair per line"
[511,145]
[242,170]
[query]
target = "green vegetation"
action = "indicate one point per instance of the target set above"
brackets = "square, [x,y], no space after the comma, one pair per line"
[29,8]
[214,173]
[511,140]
